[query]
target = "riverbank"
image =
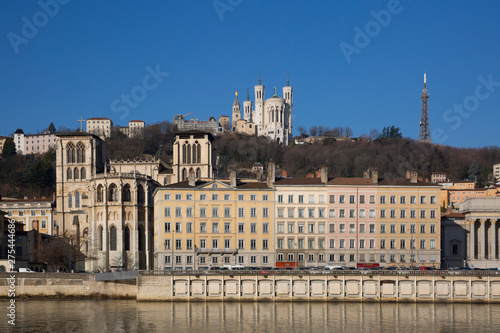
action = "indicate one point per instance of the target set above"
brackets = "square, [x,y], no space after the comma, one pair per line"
[229,287]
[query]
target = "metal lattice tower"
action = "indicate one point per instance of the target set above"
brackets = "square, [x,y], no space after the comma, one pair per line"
[425,132]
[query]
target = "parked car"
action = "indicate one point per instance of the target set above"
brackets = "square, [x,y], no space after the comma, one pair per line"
[25,270]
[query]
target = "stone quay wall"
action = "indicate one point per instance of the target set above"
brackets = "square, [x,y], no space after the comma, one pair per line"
[66,285]
[355,288]
[159,286]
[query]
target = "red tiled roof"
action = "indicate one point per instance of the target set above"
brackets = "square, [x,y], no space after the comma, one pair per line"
[351,181]
[98,118]
[404,182]
[456,215]
[136,121]
[299,181]
[25,200]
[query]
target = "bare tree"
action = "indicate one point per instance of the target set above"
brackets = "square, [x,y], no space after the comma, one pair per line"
[66,251]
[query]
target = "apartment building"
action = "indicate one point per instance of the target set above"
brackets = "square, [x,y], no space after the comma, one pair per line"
[211,223]
[301,221]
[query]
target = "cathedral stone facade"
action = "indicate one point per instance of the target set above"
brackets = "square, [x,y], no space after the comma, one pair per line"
[106,209]
[270,117]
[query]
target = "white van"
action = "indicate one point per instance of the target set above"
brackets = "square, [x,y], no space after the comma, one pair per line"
[25,270]
[333,268]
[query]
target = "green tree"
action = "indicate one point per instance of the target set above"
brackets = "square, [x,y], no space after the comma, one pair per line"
[473,171]
[9,148]
[51,128]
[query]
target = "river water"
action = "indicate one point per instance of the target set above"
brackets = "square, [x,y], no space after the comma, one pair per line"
[131,316]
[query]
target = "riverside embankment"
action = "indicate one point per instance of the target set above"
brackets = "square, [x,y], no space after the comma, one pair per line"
[377,286]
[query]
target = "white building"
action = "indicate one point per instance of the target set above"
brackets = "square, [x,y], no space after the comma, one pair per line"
[99,126]
[35,143]
[271,118]
[496,171]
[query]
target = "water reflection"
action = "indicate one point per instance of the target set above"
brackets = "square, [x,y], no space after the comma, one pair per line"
[130,316]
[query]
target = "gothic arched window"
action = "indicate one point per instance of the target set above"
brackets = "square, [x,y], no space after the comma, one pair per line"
[127,238]
[188,158]
[112,239]
[184,152]
[70,201]
[184,174]
[140,194]
[70,153]
[69,174]
[113,193]
[77,199]
[80,153]
[100,234]
[126,193]
[76,174]
[83,174]
[198,173]
[99,193]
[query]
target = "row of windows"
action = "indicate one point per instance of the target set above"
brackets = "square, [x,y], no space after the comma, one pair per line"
[215,229]
[362,199]
[76,174]
[311,257]
[215,212]
[112,193]
[188,244]
[343,243]
[351,213]
[33,213]
[214,260]
[214,197]
[342,228]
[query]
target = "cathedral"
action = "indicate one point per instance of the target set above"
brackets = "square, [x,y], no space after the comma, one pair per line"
[270,117]
[106,208]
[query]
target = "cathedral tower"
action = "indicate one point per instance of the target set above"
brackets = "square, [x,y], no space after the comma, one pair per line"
[258,118]
[236,111]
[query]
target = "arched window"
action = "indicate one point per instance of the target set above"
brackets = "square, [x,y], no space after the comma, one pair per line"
[77,199]
[184,152]
[80,153]
[100,234]
[69,174]
[70,201]
[113,193]
[76,174]
[188,149]
[70,153]
[198,153]
[277,111]
[83,174]
[140,194]
[112,239]
[184,174]
[142,238]
[85,238]
[126,193]
[198,173]
[99,193]
[127,239]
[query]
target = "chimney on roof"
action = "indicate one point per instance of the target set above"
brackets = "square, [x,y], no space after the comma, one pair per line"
[191,179]
[284,174]
[271,174]
[407,174]
[25,197]
[371,173]
[258,175]
[232,178]
[317,174]
[413,177]
[324,175]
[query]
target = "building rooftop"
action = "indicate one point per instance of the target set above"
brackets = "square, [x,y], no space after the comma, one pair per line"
[351,181]
[299,181]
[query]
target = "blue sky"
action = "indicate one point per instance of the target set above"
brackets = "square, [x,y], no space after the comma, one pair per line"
[82,57]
